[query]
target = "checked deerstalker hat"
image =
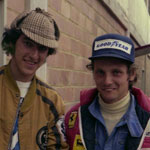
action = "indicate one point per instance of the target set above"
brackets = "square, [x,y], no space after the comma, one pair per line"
[39,26]
[113,45]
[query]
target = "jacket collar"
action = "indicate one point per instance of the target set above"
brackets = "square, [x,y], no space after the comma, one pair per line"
[86,96]
[131,119]
[12,86]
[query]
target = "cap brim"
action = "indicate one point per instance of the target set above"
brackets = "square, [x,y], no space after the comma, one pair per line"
[110,55]
[40,40]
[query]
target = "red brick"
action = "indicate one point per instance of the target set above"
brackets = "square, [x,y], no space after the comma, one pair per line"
[74,15]
[65,9]
[77,79]
[63,23]
[82,20]
[80,5]
[88,38]
[16,5]
[80,64]
[88,25]
[70,61]
[94,29]
[65,43]
[11,15]
[66,26]
[102,12]
[77,93]
[80,49]
[91,14]
[55,4]
[66,93]
[75,47]
[56,60]
[89,81]
[70,94]
[56,77]
[86,50]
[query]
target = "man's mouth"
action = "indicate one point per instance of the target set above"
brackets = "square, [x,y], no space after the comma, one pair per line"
[108,89]
[30,62]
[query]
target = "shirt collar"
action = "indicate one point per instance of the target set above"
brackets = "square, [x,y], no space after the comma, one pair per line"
[130,118]
[94,109]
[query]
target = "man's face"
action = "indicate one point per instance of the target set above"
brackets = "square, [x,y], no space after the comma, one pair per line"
[28,57]
[111,78]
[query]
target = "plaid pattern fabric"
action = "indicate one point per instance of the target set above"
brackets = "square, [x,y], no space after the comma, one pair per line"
[39,26]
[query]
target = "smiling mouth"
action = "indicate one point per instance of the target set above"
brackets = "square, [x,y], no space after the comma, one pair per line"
[108,89]
[30,62]
[30,65]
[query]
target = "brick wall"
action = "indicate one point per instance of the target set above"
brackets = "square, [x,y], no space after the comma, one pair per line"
[14,8]
[80,21]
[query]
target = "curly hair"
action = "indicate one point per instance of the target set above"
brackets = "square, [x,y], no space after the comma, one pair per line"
[9,38]
[131,68]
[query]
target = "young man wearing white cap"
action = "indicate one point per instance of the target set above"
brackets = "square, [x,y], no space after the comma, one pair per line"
[31,112]
[111,116]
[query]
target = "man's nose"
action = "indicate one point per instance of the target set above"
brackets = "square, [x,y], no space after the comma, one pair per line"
[108,79]
[35,52]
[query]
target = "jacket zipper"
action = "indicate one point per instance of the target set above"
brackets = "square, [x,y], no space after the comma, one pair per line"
[17,115]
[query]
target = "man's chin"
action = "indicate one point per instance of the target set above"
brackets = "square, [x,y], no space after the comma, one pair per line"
[108,99]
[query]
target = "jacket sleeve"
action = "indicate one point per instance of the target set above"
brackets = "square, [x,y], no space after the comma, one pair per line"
[72,125]
[56,131]
[56,136]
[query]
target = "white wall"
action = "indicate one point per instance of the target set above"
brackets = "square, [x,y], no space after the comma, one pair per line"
[134,15]
[2,24]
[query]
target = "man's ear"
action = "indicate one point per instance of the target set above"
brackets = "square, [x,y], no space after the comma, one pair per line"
[132,75]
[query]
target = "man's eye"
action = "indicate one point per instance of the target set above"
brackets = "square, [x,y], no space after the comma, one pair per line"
[42,48]
[28,43]
[100,72]
[116,72]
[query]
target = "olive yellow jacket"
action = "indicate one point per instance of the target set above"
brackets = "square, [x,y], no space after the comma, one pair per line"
[40,116]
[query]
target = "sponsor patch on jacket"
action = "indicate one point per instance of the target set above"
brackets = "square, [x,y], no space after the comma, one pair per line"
[113,44]
[145,140]
[41,138]
[61,127]
[72,119]
[78,145]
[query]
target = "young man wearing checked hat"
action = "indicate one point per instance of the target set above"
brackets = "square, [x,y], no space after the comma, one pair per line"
[114,115]
[31,112]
